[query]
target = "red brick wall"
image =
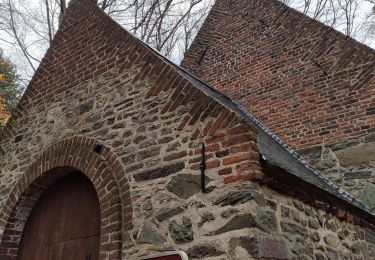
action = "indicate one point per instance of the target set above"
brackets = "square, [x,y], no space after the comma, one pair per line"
[308,83]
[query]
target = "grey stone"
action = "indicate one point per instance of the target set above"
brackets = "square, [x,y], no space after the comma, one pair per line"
[315,236]
[147,153]
[292,228]
[206,217]
[320,218]
[312,152]
[229,212]
[331,240]
[356,248]
[134,167]
[365,251]
[309,211]
[186,221]
[319,256]
[368,195]
[180,233]
[285,212]
[266,220]
[296,215]
[160,172]
[357,154]
[263,247]
[238,222]
[332,255]
[185,185]
[325,164]
[147,205]
[357,175]
[233,197]
[166,139]
[343,145]
[167,213]
[271,204]
[370,236]
[342,234]
[259,198]
[4,191]
[83,108]
[149,235]
[202,251]
[331,225]
[369,138]
[314,224]
[298,205]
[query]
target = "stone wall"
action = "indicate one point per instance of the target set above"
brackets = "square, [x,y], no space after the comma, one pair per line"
[350,164]
[234,220]
[245,221]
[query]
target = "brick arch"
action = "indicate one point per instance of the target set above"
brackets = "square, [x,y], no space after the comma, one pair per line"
[74,154]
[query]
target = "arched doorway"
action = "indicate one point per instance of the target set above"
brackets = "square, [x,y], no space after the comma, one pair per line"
[70,155]
[64,223]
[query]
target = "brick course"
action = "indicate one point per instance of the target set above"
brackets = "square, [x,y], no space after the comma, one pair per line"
[307,82]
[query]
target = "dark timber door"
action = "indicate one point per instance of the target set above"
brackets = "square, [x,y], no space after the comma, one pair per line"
[64,224]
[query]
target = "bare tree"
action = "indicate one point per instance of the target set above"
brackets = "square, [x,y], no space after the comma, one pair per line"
[355,18]
[167,25]
[26,30]
[164,24]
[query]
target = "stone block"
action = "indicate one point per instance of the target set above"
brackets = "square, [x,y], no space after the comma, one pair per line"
[331,240]
[357,175]
[266,220]
[357,154]
[160,172]
[266,247]
[181,233]
[370,138]
[166,213]
[203,250]
[238,222]
[185,185]
[370,236]
[233,197]
[149,235]
[368,195]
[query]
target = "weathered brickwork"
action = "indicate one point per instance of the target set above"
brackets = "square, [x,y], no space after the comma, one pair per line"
[132,124]
[308,83]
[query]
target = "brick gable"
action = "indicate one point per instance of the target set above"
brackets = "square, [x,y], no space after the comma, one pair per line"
[307,82]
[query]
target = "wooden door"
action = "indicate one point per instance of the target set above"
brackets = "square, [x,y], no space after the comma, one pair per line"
[64,224]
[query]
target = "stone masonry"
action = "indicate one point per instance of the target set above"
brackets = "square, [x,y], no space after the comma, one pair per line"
[104,103]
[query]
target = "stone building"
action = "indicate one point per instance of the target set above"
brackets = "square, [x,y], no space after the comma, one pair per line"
[115,152]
